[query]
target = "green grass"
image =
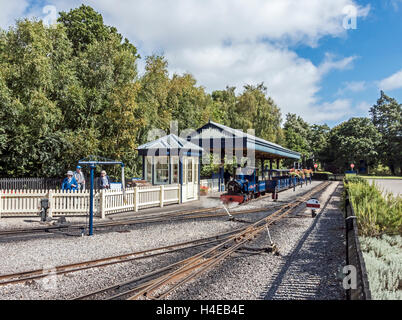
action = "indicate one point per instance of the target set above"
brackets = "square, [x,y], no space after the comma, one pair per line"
[383,260]
[377,213]
[324,172]
[381,177]
[365,176]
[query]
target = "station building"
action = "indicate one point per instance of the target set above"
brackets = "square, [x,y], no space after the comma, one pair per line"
[172,159]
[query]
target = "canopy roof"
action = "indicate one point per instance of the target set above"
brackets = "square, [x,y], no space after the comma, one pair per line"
[214,132]
[170,145]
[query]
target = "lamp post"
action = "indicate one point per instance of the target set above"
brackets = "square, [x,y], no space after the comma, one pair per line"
[91,201]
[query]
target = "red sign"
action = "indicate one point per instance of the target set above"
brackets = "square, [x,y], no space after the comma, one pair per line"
[352,166]
[315,165]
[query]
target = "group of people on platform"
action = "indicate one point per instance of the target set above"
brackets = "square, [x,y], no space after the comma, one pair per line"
[76,180]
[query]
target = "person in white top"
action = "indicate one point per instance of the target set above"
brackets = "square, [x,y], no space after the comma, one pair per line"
[79,176]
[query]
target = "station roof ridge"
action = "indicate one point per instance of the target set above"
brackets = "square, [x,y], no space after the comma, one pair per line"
[170,141]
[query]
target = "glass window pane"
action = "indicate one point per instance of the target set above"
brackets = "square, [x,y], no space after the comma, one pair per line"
[148,164]
[190,170]
[162,170]
[175,170]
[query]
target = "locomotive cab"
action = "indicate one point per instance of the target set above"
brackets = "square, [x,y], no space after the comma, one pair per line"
[243,187]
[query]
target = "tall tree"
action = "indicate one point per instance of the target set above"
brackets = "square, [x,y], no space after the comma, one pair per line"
[318,140]
[386,115]
[187,102]
[297,135]
[59,91]
[152,96]
[354,140]
[223,107]
[255,110]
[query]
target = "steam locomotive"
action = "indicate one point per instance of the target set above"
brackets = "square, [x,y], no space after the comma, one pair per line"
[248,185]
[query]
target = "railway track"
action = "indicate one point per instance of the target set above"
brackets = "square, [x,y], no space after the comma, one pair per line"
[165,217]
[161,282]
[18,277]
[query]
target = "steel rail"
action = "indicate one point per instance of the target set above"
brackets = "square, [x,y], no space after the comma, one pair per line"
[202,265]
[157,272]
[146,219]
[194,262]
[242,236]
[144,254]
[161,218]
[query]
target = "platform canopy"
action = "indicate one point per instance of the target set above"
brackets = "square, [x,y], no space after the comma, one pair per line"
[215,136]
[168,146]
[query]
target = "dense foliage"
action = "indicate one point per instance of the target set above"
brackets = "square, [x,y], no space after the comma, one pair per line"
[383,259]
[377,214]
[72,89]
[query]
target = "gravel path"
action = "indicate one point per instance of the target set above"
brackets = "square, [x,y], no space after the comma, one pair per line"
[48,253]
[312,251]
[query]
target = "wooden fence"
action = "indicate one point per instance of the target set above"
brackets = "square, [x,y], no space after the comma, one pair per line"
[76,203]
[30,183]
[38,183]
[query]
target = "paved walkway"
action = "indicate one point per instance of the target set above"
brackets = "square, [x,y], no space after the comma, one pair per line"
[311,269]
[394,186]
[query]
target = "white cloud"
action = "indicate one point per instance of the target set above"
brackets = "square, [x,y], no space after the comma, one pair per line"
[330,63]
[234,42]
[331,111]
[194,23]
[395,4]
[353,86]
[11,10]
[392,82]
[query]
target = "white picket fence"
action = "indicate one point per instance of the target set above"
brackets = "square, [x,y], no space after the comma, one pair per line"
[76,203]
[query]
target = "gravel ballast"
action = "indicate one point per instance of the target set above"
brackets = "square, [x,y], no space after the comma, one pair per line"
[232,280]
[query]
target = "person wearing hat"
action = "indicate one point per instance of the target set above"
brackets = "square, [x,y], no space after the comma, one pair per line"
[69,183]
[104,181]
[79,177]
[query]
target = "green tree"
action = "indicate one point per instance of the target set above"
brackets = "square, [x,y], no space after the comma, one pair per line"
[65,93]
[254,109]
[223,107]
[30,60]
[152,96]
[187,102]
[354,140]
[386,115]
[85,27]
[318,141]
[297,135]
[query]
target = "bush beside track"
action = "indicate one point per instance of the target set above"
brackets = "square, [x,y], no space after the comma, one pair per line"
[379,220]
[377,214]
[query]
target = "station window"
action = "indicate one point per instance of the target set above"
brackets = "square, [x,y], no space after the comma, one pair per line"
[189,170]
[195,171]
[175,170]
[162,170]
[148,164]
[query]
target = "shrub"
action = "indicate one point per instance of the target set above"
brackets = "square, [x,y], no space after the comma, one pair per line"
[383,259]
[381,170]
[376,213]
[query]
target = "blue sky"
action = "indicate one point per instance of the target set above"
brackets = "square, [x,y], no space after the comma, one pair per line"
[300,49]
[377,45]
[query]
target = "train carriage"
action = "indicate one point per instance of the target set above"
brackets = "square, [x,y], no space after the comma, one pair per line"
[248,183]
